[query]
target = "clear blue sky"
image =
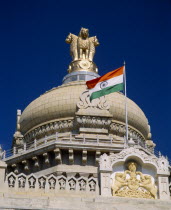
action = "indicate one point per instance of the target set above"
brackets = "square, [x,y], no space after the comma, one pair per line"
[34,56]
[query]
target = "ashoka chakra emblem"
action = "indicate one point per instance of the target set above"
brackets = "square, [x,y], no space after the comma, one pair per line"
[85,64]
[103,84]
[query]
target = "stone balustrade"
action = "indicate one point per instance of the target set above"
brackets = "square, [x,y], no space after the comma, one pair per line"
[63,139]
[51,184]
[96,140]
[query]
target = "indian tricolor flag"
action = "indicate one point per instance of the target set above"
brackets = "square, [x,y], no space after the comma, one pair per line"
[106,84]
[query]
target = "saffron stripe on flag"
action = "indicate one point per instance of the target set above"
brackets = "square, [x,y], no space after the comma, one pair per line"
[92,83]
[111,82]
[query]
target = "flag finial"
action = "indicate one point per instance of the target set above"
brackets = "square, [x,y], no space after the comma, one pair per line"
[124,63]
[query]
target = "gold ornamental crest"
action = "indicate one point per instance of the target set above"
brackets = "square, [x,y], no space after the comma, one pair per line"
[134,184]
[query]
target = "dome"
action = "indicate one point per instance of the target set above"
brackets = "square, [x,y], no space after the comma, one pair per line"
[61,103]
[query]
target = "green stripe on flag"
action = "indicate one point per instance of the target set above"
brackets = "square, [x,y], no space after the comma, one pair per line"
[106,91]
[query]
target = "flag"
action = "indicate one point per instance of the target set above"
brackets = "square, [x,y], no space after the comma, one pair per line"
[106,84]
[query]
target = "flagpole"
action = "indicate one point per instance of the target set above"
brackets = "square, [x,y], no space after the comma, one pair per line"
[126,108]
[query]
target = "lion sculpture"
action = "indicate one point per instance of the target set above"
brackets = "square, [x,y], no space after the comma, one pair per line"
[81,46]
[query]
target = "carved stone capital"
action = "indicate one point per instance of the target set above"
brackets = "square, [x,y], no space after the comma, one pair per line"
[57,152]
[26,165]
[36,161]
[46,158]
[16,168]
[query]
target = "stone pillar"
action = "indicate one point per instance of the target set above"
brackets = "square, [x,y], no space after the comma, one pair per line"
[163,174]
[163,184]
[105,173]
[3,167]
[105,185]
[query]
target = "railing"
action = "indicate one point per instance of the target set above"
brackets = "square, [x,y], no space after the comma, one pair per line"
[71,138]
[57,138]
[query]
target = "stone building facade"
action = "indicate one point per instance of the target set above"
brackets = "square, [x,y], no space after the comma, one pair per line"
[69,151]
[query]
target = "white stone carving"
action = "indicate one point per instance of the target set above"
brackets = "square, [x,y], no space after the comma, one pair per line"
[163,165]
[160,166]
[52,182]
[11,181]
[62,182]
[105,162]
[32,181]
[99,103]
[92,121]
[49,128]
[131,151]
[21,181]
[119,130]
[92,184]
[82,184]
[72,183]
[42,182]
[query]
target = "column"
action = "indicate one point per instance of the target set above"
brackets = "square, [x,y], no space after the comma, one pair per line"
[3,167]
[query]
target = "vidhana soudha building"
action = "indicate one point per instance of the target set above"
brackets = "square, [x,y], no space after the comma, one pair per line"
[70,153]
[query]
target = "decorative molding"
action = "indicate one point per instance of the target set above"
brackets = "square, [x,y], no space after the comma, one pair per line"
[108,161]
[105,162]
[160,167]
[52,183]
[92,121]
[99,103]
[118,129]
[49,128]
[163,165]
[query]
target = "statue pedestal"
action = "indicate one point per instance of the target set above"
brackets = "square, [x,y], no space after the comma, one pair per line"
[82,65]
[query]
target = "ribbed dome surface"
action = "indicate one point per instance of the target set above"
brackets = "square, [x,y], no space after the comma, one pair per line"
[61,103]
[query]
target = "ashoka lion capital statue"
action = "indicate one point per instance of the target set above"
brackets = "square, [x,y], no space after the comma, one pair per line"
[82,50]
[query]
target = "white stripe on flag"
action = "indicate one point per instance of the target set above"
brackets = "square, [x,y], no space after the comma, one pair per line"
[110,82]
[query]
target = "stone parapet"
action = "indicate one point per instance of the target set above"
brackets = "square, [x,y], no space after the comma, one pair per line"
[60,202]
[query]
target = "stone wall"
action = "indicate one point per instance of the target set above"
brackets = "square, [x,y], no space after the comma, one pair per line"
[9,201]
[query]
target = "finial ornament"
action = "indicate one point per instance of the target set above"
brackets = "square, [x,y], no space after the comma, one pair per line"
[1,153]
[82,50]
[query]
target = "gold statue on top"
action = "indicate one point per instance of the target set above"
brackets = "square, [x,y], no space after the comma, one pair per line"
[133,183]
[82,50]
